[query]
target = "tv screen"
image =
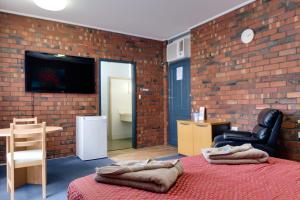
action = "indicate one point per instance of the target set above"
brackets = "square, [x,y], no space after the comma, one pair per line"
[46,72]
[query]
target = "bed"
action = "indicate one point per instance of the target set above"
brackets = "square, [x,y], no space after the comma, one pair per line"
[279,179]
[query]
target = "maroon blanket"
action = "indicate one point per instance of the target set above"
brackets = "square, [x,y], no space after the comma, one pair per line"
[279,180]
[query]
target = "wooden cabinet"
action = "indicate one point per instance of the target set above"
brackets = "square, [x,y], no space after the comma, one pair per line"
[202,137]
[185,138]
[193,136]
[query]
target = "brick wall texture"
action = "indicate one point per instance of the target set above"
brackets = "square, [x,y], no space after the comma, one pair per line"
[18,33]
[234,81]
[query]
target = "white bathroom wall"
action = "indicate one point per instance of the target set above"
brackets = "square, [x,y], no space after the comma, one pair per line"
[120,70]
[121,104]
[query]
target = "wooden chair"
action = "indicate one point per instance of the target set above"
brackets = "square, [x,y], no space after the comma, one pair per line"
[27,149]
[25,120]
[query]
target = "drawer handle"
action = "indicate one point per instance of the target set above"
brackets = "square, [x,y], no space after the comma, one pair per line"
[184,124]
[201,125]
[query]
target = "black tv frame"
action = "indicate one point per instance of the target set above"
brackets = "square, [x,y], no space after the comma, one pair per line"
[28,87]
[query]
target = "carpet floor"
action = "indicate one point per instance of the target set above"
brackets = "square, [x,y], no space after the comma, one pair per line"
[60,172]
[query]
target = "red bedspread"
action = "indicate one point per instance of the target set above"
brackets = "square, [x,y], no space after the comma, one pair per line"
[279,179]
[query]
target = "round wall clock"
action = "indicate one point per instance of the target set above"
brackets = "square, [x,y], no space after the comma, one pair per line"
[247,36]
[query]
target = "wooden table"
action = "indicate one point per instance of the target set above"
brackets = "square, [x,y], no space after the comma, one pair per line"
[30,174]
[5,132]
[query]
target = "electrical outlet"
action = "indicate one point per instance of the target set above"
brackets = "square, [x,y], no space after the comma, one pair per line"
[234,128]
[299,121]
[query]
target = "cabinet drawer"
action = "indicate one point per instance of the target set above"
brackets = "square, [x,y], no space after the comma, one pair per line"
[185,138]
[202,137]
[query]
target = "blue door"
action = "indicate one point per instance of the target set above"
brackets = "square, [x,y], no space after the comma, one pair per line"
[179,96]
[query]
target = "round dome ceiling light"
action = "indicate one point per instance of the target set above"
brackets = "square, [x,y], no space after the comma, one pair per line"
[52,5]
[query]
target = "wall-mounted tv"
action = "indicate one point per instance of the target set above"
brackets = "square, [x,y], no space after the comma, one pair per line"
[59,73]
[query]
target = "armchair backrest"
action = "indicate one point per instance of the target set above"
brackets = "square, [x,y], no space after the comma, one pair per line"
[275,130]
[268,126]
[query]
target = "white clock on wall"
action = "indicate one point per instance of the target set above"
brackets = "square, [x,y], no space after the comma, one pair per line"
[247,36]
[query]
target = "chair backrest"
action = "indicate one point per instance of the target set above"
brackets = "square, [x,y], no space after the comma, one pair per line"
[275,130]
[28,137]
[268,126]
[25,120]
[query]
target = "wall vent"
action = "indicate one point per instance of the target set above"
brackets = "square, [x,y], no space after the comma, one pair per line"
[179,49]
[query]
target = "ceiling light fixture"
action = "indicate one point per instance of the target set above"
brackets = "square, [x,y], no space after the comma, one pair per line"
[53,5]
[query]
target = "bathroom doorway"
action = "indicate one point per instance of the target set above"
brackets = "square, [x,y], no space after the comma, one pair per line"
[117,102]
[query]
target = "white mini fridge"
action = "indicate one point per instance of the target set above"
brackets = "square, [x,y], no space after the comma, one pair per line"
[91,137]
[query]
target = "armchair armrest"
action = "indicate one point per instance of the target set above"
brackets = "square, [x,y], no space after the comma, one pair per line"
[241,136]
[241,139]
[239,133]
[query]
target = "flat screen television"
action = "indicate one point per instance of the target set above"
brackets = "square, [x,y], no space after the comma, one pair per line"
[57,73]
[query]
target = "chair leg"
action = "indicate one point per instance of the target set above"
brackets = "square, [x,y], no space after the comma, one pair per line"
[12,182]
[44,180]
[7,176]
[7,164]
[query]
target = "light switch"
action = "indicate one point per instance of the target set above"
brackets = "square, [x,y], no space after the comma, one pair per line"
[234,128]
[140,97]
[145,89]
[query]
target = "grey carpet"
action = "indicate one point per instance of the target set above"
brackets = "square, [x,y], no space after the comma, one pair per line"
[171,157]
[60,172]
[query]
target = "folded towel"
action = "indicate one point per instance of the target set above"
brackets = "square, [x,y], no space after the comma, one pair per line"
[244,154]
[133,166]
[132,162]
[151,175]
[227,149]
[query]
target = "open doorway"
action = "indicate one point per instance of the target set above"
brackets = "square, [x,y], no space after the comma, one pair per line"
[117,102]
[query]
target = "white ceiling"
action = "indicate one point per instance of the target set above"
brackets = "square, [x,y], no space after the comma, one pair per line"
[155,19]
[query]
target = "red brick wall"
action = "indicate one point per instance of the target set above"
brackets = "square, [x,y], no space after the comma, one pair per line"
[166,94]
[234,81]
[18,33]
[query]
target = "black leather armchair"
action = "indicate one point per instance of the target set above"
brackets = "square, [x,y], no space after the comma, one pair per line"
[263,136]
